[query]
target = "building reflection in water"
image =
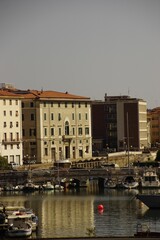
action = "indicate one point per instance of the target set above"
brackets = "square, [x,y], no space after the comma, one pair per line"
[59,216]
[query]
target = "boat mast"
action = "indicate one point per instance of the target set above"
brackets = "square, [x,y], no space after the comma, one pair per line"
[128,139]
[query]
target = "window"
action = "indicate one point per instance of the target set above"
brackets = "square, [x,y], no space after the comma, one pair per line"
[11,136]
[4,124]
[59,105]
[31,104]
[17,124]
[73,131]
[16,102]
[23,132]
[4,102]
[22,104]
[10,113]
[32,116]
[44,104]
[59,117]
[72,116]
[51,104]
[16,113]
[85,104]
[46,151]
[4,113]
[11,124]
[45,132]
[79,104]
[79,131]
[45,116]
[79,116]
[65,104]
[87,131]
[60,131]
[17,136]
[72,105]
[87,149]
[10,102]
[52,116]
[52,131]
[32,132]
[86,116]
[66,128]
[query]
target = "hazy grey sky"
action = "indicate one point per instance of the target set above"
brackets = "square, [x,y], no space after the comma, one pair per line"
[85,47]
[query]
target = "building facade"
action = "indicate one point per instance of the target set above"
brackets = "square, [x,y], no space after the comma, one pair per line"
[10,127]
[119,123]
[153,117]
[55,126]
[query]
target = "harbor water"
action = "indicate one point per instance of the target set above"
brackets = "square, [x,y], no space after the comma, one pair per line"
[76,214]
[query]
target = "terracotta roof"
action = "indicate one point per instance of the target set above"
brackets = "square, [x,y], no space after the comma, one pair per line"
[32,94]
[50,95]
[5,93]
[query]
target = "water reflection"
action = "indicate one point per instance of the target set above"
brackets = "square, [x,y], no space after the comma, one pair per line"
[70,214]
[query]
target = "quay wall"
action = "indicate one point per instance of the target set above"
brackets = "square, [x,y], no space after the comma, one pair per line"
[41,173]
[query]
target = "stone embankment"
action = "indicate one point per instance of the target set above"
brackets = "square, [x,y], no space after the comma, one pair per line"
[45,172]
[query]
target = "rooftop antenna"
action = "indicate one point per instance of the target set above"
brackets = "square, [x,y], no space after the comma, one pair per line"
[128,91]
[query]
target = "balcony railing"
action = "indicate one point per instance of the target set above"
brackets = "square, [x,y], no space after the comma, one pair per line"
[10,141]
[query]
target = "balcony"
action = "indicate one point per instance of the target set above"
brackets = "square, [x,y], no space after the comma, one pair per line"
[67,138]
[10,141]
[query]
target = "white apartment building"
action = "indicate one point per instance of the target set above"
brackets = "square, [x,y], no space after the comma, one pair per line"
[10,127]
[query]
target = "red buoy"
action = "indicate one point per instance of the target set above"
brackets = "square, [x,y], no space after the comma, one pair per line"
[100,207]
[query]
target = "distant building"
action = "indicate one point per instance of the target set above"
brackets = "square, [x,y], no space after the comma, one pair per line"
[10,127]
[153,117]
[119,123]
[55,126]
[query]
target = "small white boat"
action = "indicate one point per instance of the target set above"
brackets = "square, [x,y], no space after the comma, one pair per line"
[130,182]
[18,226]
[58,187]
[48,186]
[150,180]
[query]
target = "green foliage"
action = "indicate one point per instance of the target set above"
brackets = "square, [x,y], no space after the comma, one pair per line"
[91,232]
[158,156]
[3,163]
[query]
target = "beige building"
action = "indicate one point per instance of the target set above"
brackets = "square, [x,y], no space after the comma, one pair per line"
[153,117]
[10,127]
[55,126]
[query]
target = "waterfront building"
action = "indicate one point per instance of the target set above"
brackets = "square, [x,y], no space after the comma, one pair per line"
[10,126]
[119,123]
[153,117]
[55,126]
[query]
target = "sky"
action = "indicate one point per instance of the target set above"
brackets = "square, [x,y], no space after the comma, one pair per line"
[86,47]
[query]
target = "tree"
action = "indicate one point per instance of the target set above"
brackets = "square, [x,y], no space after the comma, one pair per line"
[158,156]
[3,163]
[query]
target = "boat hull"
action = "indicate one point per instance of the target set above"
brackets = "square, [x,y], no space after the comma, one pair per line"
[150,200]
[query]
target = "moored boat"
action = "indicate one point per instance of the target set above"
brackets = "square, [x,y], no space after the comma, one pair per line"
[48,186]
[130,182]
[18,226]
[150,180]
[150,200]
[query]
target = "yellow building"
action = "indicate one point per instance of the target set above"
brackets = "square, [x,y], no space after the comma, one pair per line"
[55,126]
[153,117]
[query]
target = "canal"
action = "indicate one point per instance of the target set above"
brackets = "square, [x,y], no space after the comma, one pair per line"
[75,213]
